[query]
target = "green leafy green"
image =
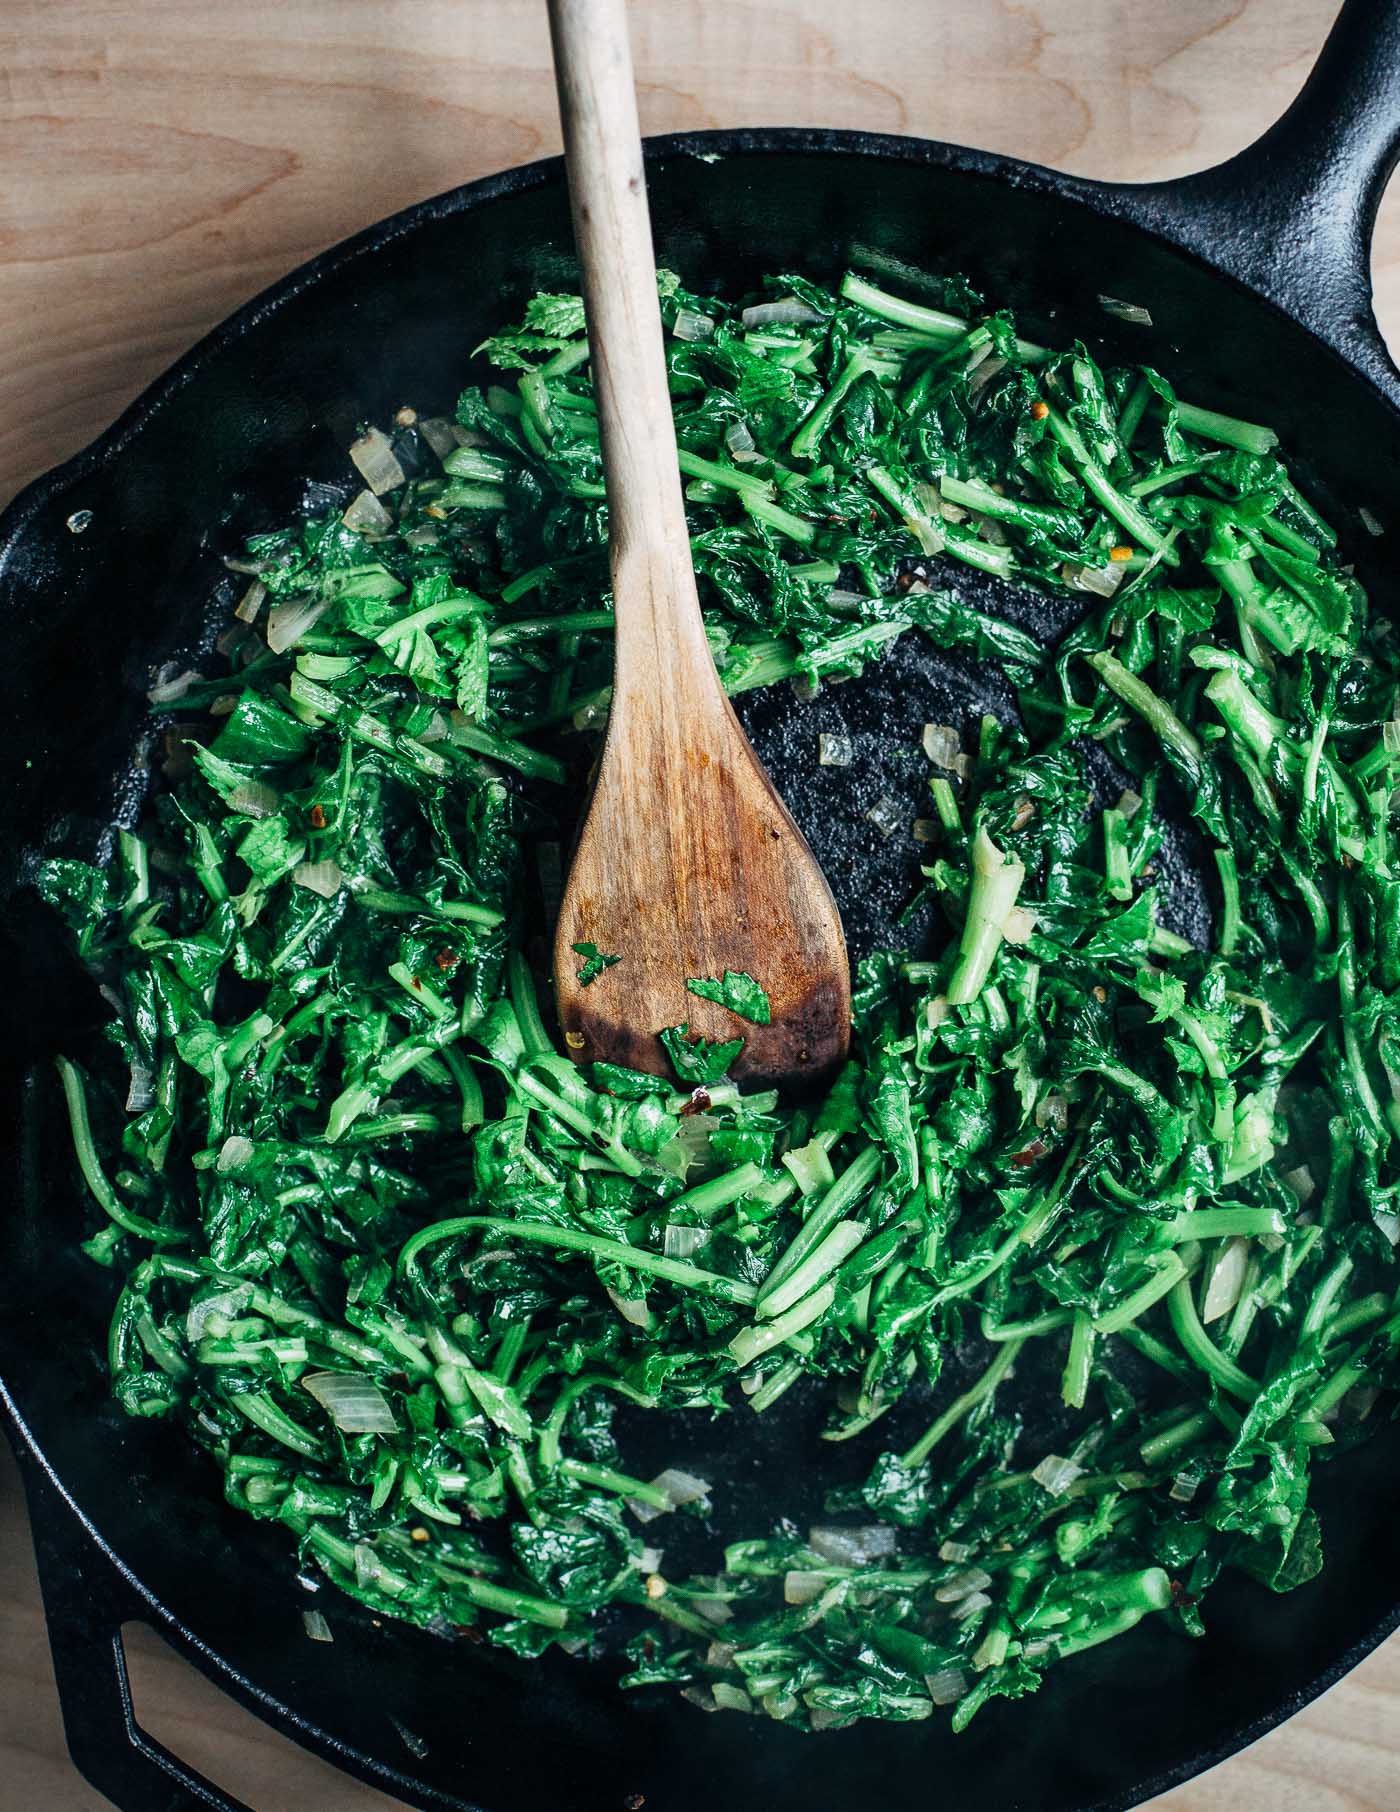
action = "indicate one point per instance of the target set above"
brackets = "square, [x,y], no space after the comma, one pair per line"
[737,991]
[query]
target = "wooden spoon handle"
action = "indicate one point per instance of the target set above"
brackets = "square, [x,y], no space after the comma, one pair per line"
[660,635]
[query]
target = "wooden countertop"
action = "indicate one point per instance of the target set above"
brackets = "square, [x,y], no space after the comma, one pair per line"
[164,160]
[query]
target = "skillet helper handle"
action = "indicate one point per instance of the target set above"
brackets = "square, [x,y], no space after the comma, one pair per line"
[86,1601]
[659,626]
[1292,215]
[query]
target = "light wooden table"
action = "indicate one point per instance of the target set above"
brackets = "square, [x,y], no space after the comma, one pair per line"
[161,160]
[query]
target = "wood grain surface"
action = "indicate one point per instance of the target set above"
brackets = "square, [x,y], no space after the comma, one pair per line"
[162,160]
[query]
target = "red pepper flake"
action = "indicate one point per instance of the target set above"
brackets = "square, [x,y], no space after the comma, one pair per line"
[1182,1600]
[1030,1154]
[634,1802]
[698,1102]
[1039,411]
[447,960]
[317,815]
[418,983]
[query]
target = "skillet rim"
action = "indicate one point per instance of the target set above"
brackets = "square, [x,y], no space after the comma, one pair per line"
[1136,205]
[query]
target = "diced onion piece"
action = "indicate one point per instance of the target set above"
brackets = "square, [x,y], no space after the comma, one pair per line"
[288,621]
[701,1696]
[926,830]
[942,744]
[824,1718]
[632,1308]
[1390,736]
[992,532]
[234,1153]
[79,522]
[683,1242]
[648,1561]
[367,516]
[171,686]
[1129,803]
[852,1547]
[1226,1280]
[801,1587]
[253,799]
[678,1487]
[885,815]
[986,370]
[373,457]
[1185,1486]
[1103,581]
[225,1303]
[786,312]
[956,1552]
[731,1698]
[1370,523]
[713,1610]
[846,603]
[251,602]
[438,434]
[1389,1225]
[834,751]
[1301,1182]
[719,1654]
[353,1402]
[1056,1474]
[740,442]
[947,1686]
[1052,1110]
[324,878]
[1358,1403]
[962,1585]
[1125,311]
[316,1626]
[935,1011]
[140,1092]
[1018,927]
[691,326]
[971,1606]
[952,512]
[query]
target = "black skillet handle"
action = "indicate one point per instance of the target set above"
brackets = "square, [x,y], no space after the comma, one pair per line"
[1292,215]
[86,1601]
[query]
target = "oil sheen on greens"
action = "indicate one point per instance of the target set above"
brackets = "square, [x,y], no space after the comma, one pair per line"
[1089,1251]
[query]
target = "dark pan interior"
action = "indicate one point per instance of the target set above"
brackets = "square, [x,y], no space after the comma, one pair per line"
[270,403]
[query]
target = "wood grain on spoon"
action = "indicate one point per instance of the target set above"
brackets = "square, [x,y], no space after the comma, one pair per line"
[688,863]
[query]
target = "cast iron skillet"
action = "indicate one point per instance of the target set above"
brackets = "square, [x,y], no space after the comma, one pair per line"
[1257,278]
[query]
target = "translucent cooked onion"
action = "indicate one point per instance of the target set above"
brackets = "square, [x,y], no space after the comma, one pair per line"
[316,1626]
[1301,1182]
[853,1547]
[324,878]
[140,1092]
[731,1698]
[226,1304]
[886,816]
[834,751]
[1018,927]
[1371,524]
[1055,1474]
[1226,1280]
[683,1242]
[956,1552]
[1125,311]
[632,1308]
[1052,1110]
[947,1686]
[253,799]
[234,1153]
[692,326]
[438,434]
[942,744]
[962,1585]
[289,621]
[171,686]
[353,1402]
[740,442]
[1129,803]
[846,603]
[678,1488]
[367,516]
[1102,581]
[373,457]
[787,312]
[801,1586]
[1185,1486]
[971,1606]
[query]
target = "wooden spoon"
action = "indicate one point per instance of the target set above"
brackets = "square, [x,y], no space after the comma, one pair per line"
[688,864]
